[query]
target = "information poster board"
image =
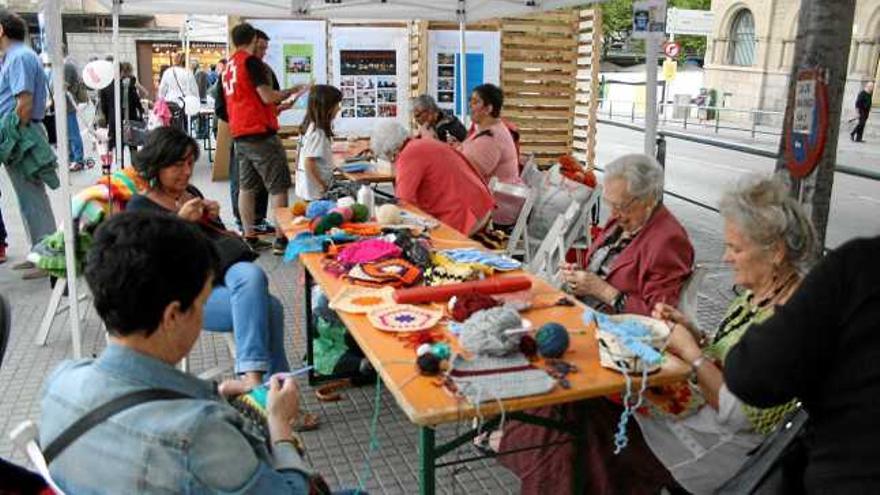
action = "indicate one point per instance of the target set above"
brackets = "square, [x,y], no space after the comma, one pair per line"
[371,67]
[298,55]
[444,64]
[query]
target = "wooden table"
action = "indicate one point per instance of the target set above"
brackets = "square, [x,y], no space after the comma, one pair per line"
[426,405]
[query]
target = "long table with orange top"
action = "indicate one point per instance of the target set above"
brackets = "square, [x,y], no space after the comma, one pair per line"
[343,150]
[427,405]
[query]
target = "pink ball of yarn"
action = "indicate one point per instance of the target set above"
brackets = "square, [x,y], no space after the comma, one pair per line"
[346,212]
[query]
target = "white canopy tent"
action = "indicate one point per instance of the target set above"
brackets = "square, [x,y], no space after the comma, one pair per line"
[460,11]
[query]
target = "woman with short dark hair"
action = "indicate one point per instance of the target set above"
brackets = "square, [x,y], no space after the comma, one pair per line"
[240,301]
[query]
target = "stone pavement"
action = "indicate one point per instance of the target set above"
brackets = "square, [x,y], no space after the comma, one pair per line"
[340,447]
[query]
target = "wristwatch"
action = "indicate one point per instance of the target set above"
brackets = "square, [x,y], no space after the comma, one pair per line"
[696,363]
[619,302]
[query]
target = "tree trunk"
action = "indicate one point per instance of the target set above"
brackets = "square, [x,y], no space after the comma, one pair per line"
[823,40]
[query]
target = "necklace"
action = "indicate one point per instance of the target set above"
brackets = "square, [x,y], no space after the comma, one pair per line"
[176,200]
[746,312]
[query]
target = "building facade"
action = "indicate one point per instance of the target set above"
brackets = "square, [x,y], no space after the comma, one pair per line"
[750,53]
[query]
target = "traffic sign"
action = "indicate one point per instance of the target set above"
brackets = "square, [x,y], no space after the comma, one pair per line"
[806,131]
[671,49]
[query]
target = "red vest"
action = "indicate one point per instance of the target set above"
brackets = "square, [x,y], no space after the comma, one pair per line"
[248,115]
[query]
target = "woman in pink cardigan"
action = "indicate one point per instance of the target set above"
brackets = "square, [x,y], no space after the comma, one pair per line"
[642,258]
[491,149]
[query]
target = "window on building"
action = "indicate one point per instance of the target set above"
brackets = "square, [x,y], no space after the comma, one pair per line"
[742,39]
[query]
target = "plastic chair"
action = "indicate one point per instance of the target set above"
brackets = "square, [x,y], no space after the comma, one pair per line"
[26,437]
[551,252]
[216,371]
[578,234]
[687,302]
[518,243]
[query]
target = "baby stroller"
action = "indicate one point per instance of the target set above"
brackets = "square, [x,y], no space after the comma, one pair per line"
[85,116]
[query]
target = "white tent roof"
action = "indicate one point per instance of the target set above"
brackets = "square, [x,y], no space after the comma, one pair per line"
[442,10]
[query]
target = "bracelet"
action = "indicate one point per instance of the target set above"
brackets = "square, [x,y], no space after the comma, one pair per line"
[293,440]
[696,363]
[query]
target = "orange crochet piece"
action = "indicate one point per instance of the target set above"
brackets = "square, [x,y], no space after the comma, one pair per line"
[361,229]
[572,169]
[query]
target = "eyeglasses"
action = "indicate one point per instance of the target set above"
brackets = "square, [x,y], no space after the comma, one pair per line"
[619,206]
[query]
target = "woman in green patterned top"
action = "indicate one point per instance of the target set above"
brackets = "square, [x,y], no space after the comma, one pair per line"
[770,243]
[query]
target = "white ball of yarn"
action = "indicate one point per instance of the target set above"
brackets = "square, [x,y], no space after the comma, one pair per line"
[388,215]
[345,201]
[423,349]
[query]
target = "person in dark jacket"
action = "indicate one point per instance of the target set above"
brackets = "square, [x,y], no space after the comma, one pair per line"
[863,106]
[823,347]
[435,123]
[130,104]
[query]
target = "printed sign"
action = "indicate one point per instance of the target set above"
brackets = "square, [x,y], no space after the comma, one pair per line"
[804,106]
[649,19]
[807,130]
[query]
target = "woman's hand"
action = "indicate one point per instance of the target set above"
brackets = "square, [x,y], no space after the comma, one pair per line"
[665,312]
[282,407]
[211,208]
[426,132]
[585,283]
[683,344]
[192,210]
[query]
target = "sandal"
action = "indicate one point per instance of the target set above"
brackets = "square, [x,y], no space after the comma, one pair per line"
[329,392]
[306,422]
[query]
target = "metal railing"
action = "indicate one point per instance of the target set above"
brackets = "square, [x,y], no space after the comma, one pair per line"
[698,115]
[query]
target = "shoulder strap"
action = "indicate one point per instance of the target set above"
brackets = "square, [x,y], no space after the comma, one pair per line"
[102,413]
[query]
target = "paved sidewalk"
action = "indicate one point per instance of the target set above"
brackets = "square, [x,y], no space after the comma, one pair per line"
[340,447]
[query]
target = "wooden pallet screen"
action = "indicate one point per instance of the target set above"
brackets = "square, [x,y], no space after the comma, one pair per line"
[587,99]
[538,69]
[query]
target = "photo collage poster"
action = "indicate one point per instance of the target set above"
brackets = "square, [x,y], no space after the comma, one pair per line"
[370,65]
[368,80]
[444,65]
[298,55]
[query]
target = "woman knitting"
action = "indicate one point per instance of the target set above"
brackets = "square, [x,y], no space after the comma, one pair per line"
[240,301]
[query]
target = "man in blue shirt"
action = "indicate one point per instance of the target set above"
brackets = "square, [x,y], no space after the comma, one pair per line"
[150,275]
[23,90]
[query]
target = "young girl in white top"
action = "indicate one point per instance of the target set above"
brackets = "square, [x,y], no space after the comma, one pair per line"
[314,168]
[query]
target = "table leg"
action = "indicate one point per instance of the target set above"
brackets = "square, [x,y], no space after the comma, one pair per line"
[426,461]
[310,323]
[580,456]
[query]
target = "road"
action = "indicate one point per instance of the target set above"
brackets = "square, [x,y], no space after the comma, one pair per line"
[703,172]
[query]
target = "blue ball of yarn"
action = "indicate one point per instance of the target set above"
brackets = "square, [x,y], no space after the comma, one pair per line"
[552,339]
[319,208]
[441,350]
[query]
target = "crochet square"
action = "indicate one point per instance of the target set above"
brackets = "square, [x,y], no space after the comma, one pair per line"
[404,318]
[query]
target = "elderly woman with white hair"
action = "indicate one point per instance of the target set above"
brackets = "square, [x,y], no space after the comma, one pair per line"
[643,257]
[435,178]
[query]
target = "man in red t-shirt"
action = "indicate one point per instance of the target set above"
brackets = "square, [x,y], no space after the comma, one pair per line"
[252,108]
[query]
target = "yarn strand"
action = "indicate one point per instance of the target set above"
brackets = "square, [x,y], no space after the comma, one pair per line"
[367,471]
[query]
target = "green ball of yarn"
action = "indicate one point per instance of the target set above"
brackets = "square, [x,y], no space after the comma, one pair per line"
[552,339]
[360,213]
[328,222]
[441,350]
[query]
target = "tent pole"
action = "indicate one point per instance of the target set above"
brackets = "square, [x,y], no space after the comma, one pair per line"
[117,86]
[186,29]
[53,30]
[650,94]
[462,29]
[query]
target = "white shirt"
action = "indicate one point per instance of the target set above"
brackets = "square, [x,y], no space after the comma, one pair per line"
[703,450]
[314,144]
[176,84]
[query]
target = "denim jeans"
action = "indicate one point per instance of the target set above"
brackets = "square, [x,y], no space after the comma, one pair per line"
[262,201]
[74,139]
[34,205]
[243,306]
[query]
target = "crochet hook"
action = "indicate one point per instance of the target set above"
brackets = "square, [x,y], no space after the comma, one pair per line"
[289,374]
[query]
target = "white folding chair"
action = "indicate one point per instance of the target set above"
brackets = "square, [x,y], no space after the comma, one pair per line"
[551,252]
[55,308]
[26,437]
[216,371]
[518,243]
[687,301]
[578,236]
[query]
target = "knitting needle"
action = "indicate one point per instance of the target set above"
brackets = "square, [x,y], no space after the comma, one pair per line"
[289,374]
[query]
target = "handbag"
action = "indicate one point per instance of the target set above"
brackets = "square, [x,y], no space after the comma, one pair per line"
[776,466]
[134,132]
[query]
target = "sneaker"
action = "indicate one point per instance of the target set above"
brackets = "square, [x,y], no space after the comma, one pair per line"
[257,244]
[2,253]
[264,228]
[279,246]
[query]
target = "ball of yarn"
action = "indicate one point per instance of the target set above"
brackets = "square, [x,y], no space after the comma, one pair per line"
[485,333]
[298,209]
[441,350]
[327,222]
[360,213]
[388,215]
[428,364]
[319,208]
[467,304]
[423,349]
[528,346]
[345,202]
[552,339]
[344,211]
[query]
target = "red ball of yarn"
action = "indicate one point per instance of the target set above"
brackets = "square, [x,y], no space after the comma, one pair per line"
[468,304]
[528,346]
